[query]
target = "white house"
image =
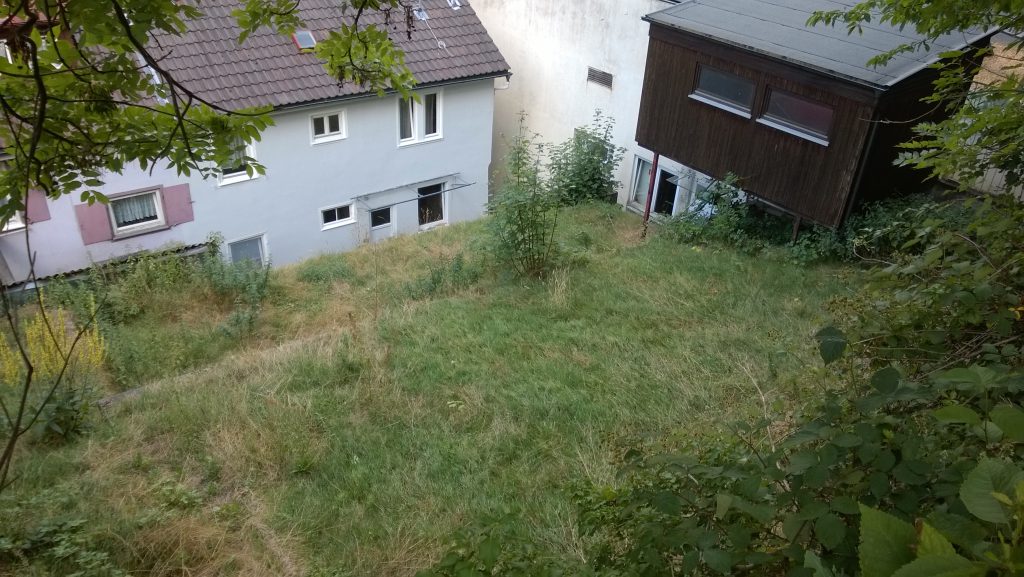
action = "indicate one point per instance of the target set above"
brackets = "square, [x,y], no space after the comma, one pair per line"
[343,167]
[570,59]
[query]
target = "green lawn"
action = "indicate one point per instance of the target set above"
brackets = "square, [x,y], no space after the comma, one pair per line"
[365,422]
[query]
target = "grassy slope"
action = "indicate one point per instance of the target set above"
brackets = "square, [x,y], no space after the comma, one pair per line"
[365,427]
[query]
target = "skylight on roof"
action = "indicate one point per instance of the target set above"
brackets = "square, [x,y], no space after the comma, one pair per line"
[304,39]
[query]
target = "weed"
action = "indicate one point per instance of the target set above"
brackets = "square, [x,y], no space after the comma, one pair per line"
[324,269]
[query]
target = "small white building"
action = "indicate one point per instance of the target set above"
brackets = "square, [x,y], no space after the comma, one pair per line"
[343,166]
[570,59]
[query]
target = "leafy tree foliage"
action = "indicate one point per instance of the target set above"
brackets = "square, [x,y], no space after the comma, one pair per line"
[583,167]
[987,131]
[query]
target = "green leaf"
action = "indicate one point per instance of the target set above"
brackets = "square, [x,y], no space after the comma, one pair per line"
[722,503]
[814,563]
[488,551]
[1010,419]
[957,414]
[931,542]
[831,344]
[886,381]
[990,476]
[886,543]
[830,530]
[667,502]
[719,560]
[940,566]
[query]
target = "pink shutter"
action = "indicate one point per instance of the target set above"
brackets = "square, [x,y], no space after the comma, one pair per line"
[93,223]
[36,209]
[177,204]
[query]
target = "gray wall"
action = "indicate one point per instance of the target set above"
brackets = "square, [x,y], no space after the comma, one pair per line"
[284,205]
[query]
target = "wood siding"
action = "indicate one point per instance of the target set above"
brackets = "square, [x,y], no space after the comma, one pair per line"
[804,177]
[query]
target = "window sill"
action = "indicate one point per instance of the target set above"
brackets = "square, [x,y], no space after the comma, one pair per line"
[381,226]
[337,224]
[328,139]
[794,132]
[13,230]
[235,179]
[125,235]
[405,143]
[433,225]
[721,105]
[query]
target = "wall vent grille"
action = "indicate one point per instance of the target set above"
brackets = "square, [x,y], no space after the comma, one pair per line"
[599,77]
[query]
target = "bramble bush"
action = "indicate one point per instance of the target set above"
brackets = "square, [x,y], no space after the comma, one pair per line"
[524,212]
[582,168]
[906,465]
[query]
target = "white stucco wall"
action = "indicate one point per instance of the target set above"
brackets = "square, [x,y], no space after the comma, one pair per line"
[368,167]
[549,46]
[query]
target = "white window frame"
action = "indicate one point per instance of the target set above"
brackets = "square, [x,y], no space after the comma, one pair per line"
[132,229]
[243,175]
[680,201]
[263,246]
[419,119]
[16,223]
[444,204]
[391,216]
[328,136]
[351,216]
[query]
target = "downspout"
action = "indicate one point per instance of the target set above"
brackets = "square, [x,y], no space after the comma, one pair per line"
[650,194]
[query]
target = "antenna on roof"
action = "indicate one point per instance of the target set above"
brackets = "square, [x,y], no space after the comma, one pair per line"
[304,40]
[420,12]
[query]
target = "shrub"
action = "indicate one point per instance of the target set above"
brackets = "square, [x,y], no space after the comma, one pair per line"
[524,213]
[583,167]
[447,275]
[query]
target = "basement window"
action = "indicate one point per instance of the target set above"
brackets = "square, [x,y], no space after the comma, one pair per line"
[337,216]
[380,217]
[724,90]
[249,249]
[798,116]
[431,204]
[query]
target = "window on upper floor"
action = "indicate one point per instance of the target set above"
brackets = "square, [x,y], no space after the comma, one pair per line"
[337,216]
[237,168]
[724,90]
[327,127]
[419,121]
[798,116]
[136,212]
[15,222]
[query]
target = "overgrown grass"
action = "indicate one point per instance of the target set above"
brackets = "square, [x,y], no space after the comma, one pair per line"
[371,420]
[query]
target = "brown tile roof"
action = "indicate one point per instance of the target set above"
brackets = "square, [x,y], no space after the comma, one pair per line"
[269,70]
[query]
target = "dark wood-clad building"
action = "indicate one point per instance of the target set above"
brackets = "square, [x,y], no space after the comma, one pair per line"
[745,87]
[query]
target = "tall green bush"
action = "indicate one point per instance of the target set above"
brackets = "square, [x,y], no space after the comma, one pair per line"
[524,212]
[583,167]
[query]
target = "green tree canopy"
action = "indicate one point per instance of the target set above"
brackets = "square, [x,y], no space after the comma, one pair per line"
[986,128]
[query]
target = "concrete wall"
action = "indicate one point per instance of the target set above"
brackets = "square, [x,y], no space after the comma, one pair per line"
[368,167]
[549,46]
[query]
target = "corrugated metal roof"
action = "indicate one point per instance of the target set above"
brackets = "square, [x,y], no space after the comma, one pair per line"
[778,28]
[268,69]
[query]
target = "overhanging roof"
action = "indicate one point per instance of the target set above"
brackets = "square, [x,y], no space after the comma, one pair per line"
[778,29]
[269,70]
